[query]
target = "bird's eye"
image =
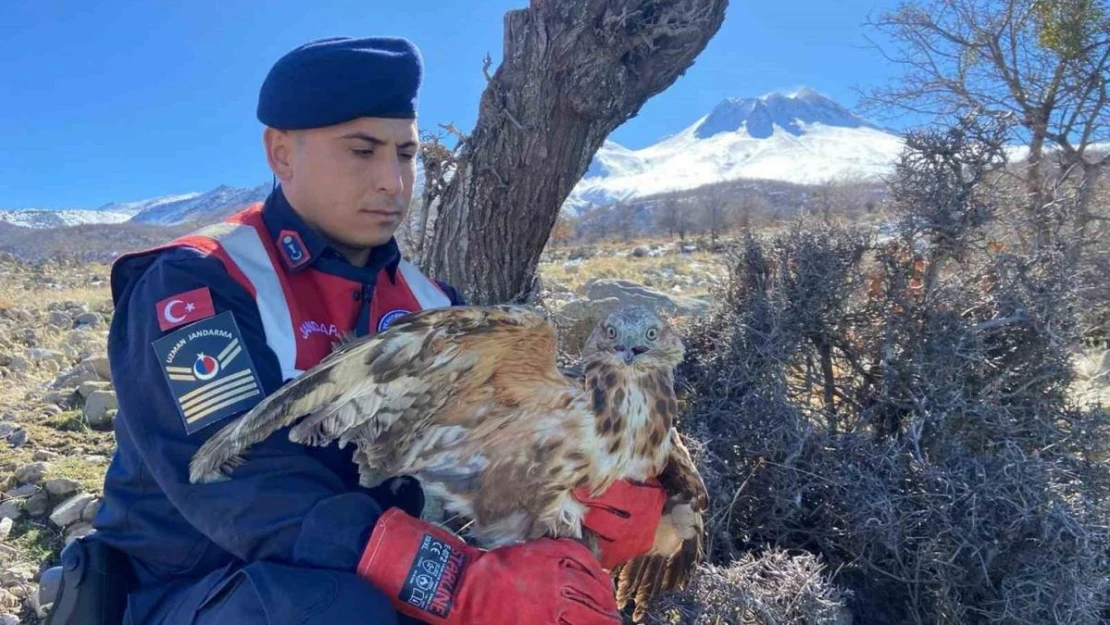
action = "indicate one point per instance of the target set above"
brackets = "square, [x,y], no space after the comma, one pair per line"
[652,334]
[611,332]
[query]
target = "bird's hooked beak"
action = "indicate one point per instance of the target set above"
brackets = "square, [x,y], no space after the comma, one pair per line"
[630,354]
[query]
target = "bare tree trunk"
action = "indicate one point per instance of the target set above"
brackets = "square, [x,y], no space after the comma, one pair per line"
[573,71]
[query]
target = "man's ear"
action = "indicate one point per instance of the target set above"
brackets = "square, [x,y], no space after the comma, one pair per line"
[279,152]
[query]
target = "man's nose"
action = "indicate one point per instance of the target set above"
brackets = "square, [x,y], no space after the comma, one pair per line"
[388,176]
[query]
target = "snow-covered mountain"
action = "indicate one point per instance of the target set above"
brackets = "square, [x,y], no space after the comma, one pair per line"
[202,206]
[134,208]
[802,138]
[39,218]
[167,210]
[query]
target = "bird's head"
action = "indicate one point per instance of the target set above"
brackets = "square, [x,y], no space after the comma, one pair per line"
[634,336]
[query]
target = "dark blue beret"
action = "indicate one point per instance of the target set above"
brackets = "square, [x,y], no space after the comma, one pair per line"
[334,80]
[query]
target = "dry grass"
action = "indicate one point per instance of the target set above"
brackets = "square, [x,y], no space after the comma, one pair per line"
[689,274]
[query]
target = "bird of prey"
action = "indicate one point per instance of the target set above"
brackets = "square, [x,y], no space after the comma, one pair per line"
[470,402]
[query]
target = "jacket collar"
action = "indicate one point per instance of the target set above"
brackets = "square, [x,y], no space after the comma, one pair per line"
[300,246]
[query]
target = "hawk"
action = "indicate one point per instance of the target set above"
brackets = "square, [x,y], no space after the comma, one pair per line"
[470,402]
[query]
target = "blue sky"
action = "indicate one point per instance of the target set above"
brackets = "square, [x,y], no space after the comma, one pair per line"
[117,101]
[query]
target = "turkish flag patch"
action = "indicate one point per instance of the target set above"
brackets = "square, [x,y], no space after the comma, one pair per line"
[184,308]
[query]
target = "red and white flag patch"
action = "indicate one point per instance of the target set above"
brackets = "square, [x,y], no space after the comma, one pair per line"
[184,308]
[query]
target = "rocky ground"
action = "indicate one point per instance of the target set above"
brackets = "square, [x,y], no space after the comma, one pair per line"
[56,409]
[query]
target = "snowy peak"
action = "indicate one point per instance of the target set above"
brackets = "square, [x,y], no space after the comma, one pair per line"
[139,206]
[793,113]
[800,138]
[201,206]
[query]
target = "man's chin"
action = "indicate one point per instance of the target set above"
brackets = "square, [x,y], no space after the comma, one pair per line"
[364,242]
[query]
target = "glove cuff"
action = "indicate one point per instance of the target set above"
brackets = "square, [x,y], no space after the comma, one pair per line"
[420,567]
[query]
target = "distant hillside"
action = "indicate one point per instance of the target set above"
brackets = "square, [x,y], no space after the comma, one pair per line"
[168,210]
[45,218]
[89,242]
[202,207]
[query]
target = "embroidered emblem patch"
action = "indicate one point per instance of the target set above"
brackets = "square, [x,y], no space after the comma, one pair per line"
[211,375]
[293,250]
[184,308]
[389,317]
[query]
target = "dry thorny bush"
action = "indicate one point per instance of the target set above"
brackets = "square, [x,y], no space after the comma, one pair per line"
[899,409]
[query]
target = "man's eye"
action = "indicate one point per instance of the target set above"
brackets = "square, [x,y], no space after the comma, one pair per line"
[406,157]
[363,153]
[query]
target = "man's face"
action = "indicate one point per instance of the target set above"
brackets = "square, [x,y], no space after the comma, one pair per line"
[352,181]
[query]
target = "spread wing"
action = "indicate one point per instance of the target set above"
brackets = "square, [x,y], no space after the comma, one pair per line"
[403,377]
[641,580]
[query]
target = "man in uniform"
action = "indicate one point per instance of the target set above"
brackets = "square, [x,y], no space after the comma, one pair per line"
[209,324]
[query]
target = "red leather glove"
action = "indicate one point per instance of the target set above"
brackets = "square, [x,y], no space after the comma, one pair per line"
[433,576]
[625,517]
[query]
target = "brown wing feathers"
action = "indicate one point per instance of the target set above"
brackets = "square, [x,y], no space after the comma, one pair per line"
[383,378]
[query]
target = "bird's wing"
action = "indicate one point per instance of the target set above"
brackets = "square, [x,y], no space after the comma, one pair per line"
[398,377]
[641,580]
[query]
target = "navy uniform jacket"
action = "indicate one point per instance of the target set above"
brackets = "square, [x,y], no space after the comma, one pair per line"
[288,503]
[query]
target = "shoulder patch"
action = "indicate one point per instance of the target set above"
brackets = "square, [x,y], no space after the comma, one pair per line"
[210,374]
[389,317]
[183,308]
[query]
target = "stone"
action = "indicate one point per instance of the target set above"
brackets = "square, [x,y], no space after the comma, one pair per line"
[100,366]
[7,428]
[88,319]
[32,473]
[23,492]
[59,398]
[9,619]
[59,319]
[51,410]
[61,486]
[11,509]
[44,454]
[19,364]
[6,524]
[630,293]
[79,337]
[97,407]
[96,459]
[19,438]
[37,504]
[5,359]
[90,510]
[88,387]
[39,354]
[78,530]
[69,511]
[76,376]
